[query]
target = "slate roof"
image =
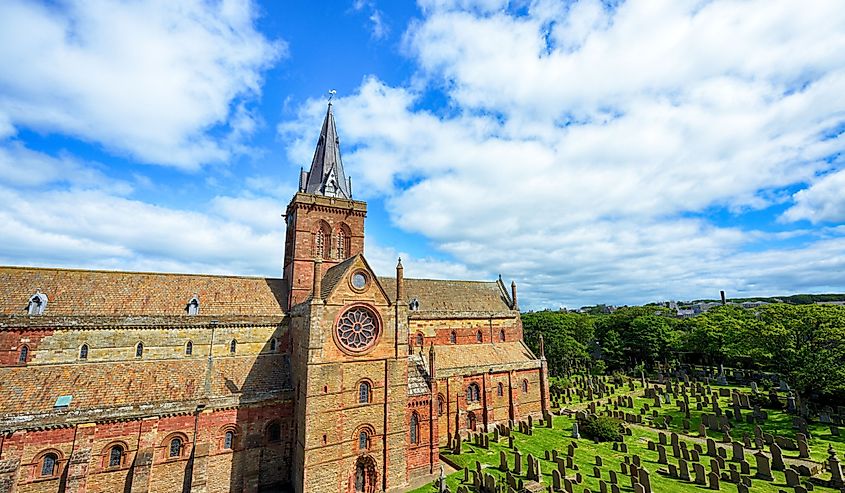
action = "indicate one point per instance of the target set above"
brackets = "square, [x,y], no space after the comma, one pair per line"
[440,296]
[472,358]
[106,387]
[73,292]
[326,176]
[334,275]
[418,377]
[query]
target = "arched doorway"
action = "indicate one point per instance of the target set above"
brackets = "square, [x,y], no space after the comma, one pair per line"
[365,475]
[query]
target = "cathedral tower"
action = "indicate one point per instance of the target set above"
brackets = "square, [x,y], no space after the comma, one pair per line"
[322,218]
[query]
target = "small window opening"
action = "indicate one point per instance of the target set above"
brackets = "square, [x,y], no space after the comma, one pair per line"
[500,389]
[479,337]
[139,350]
[83,352]
[502,335]
[115,456]
[24,354]
[49,465]
[229,440]
[273,345]
[415,428]
[194,305]
[364,393]
[453,337]
[525,386]
[233,346]
[363,441]
[176,447]
[274,433]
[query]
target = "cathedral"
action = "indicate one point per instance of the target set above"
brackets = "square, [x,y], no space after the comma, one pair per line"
[328,379]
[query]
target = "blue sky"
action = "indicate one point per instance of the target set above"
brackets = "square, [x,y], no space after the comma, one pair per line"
[595,152]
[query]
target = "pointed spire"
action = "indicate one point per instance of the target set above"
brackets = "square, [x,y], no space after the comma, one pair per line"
[326,176]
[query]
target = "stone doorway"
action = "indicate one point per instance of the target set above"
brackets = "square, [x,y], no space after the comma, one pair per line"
[365,475]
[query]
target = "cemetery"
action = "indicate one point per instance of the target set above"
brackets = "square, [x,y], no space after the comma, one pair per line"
[689,429]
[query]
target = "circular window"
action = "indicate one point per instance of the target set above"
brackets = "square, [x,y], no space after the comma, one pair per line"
[357,329]
[359,280]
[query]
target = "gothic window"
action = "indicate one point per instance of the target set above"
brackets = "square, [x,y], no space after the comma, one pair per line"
[364,393]
[115,456]
[273,345]
[189,348]
[415,428]
[440,405]
[419,340]
[524,386]
[175,449]
[453,337]
[479,337]
[274,432]
[473,393]
[139,350]
[24,354]
[500,389]
[37,303]
[357,329]
[319,244]
[49,465]
[363,441]
[340,241]
[502,335]
[233,346]
[194,306]
[83,352]
[229,440]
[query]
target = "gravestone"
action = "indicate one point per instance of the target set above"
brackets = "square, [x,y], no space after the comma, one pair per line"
[698,471]
[777,457]
[713,481]
[764,469]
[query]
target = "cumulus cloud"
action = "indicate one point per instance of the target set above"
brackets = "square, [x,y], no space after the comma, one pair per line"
[158,80]
[584,146]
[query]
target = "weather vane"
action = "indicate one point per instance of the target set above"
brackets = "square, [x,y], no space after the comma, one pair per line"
[332,92]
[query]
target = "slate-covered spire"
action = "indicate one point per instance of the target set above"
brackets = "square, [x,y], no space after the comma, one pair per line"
[326,176]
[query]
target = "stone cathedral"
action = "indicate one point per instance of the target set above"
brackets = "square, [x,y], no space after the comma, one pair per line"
[330,379]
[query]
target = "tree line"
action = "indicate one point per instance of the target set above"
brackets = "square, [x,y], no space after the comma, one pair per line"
[804,343]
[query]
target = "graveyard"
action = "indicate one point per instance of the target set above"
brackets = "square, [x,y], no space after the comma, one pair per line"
[678,434]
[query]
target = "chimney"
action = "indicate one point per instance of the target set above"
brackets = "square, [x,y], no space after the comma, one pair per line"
[513,296]
[400,282]
[724,301]
[316,292]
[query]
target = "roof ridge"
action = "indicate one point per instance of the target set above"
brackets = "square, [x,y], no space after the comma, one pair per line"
[472,281]
[149,273]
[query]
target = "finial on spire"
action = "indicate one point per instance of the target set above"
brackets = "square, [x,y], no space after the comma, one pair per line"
[332,93]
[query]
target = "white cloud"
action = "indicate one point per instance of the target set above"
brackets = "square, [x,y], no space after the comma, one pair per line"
[581,143]
[378,26]
[823,201]
[151,79]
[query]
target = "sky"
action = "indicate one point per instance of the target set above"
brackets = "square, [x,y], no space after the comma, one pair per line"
[592,151]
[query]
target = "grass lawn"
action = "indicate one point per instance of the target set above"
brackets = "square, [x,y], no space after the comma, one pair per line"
[558,439]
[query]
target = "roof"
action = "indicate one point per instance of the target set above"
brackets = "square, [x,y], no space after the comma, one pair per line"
[418,377]
[437,296]
[334,275]
[472,358]
[103,388]
[326,176]
[72,292]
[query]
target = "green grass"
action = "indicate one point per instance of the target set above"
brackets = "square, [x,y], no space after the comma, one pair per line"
[559,438]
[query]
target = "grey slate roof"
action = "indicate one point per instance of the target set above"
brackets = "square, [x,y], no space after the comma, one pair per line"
[326,176]
[437,296]
[418,377]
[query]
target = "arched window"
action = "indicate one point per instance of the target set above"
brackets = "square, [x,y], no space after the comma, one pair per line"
[453,337]
[189,348]
[273,345]
[175,449]
[49,465]
[229,440]
[415,428]
[340,244]
[479,337]
[116,456]
[37,303]
[419,340]
[139,350]
[274,432]
[193,307]
[473,393]
[440,405]
[525,386]
[500,389]
[233,346]
[363,441]
[364,393]
[24,354]
[502,335]
[83,351]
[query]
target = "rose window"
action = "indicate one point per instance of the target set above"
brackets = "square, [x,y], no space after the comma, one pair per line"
[357,329]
